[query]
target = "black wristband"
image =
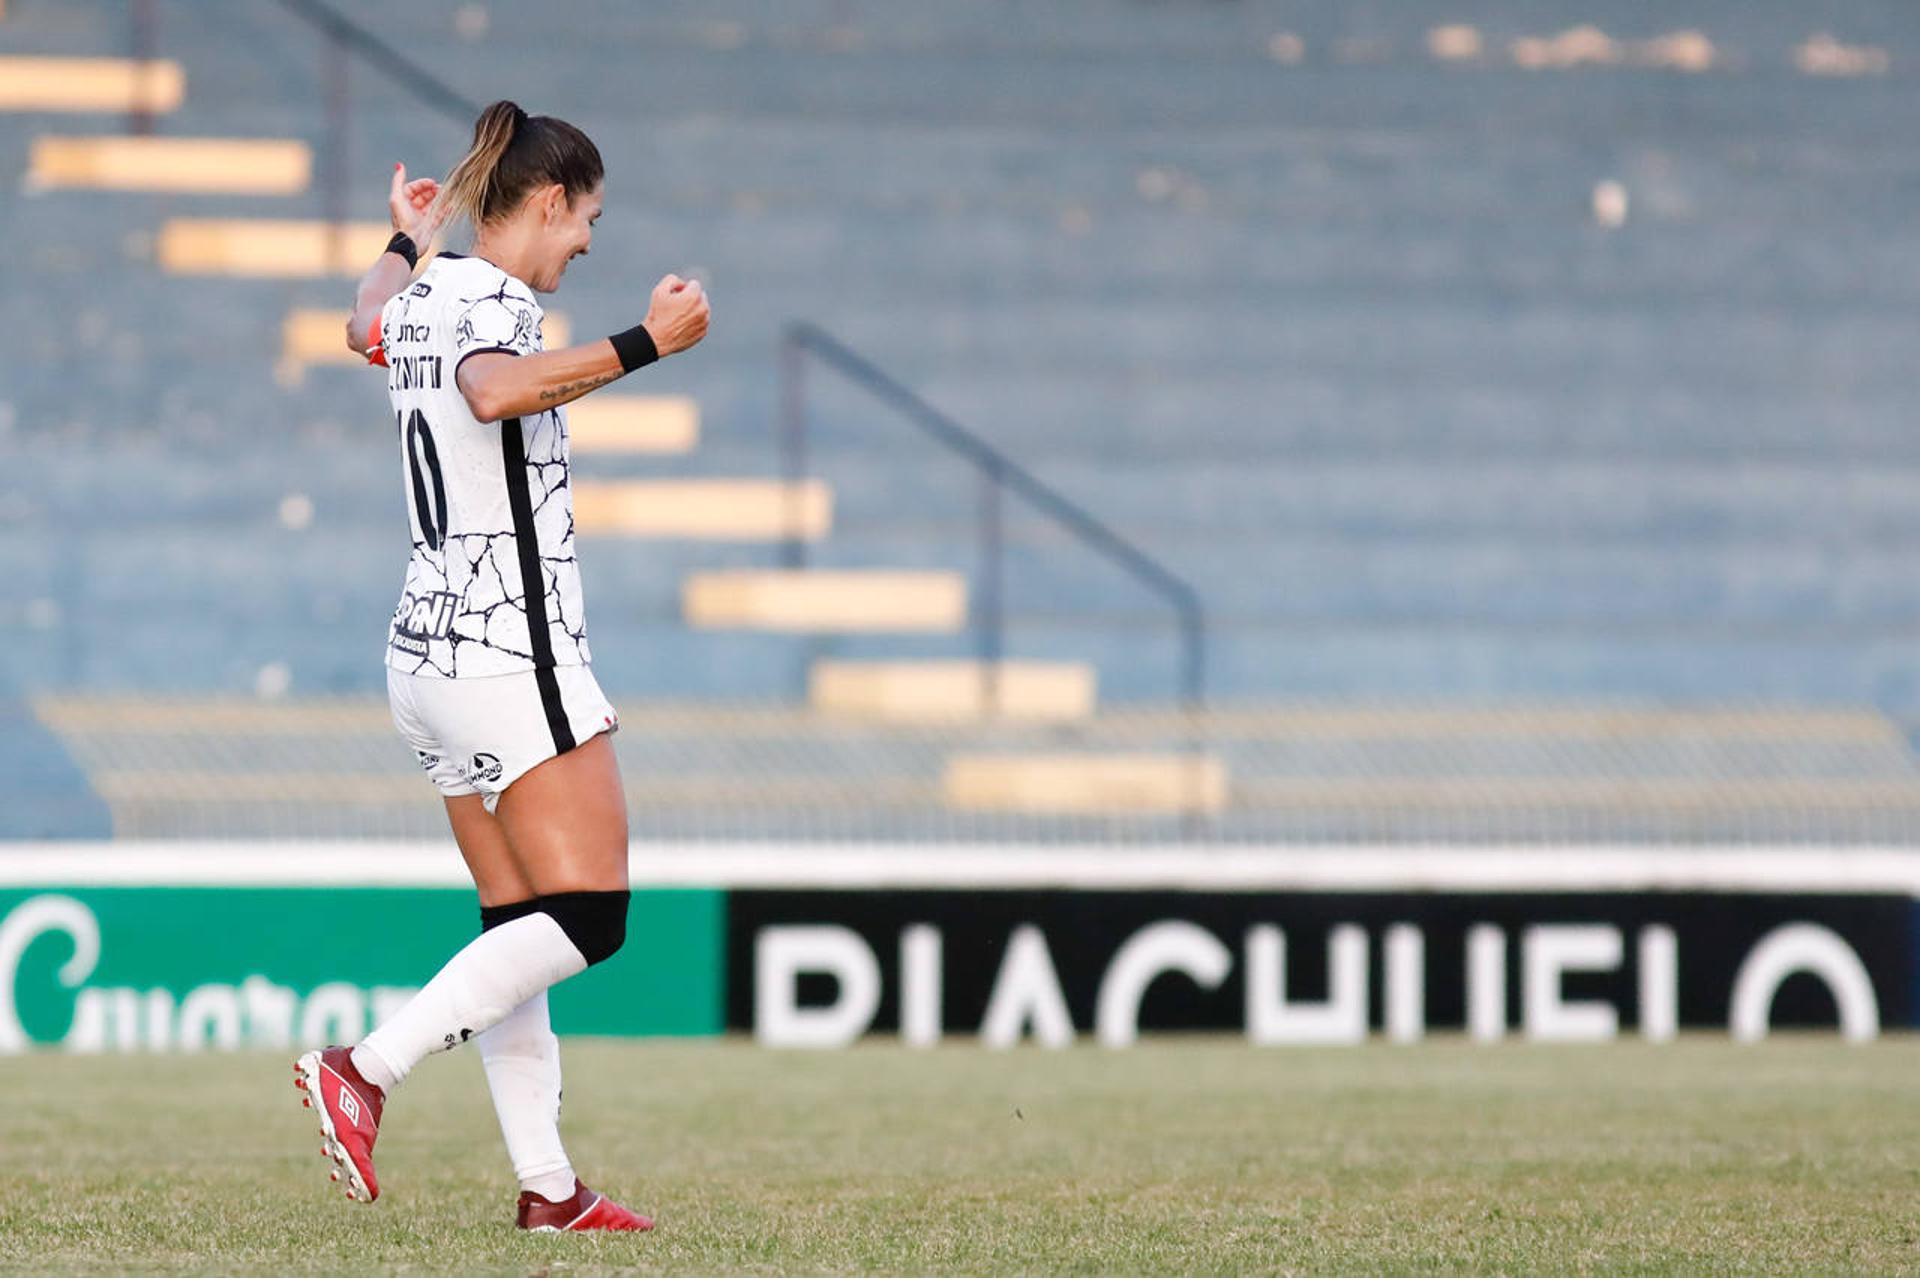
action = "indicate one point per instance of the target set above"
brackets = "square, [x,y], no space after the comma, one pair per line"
[635,348]
[402,244]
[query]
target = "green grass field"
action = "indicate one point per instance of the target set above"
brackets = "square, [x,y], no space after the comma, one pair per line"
[1178,1156]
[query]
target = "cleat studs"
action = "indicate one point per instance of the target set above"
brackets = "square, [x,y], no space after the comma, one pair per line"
[351,1196]
[334,1176]
[306,1102]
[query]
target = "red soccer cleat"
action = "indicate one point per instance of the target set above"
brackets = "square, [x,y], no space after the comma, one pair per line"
[349,1108]
[585,1210]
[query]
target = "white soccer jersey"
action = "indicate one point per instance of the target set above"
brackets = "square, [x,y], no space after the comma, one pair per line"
[492,586]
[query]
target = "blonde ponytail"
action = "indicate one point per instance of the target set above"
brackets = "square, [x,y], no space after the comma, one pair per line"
[472,190]
[512,153]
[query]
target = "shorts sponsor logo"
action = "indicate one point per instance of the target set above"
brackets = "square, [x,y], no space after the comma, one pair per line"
[427,761]
[484,768]
[422,618]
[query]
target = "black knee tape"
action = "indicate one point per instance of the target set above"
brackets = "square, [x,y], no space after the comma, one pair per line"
[492,916]
[596,922]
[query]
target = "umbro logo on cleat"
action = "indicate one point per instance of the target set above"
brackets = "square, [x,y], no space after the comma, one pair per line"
[350,1106]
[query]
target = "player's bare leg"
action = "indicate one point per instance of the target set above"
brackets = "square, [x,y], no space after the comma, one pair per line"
[520,1054]
[483,846]
[566,822]
[564,825]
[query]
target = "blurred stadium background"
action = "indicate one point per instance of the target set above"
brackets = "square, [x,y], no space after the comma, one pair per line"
[1313,522]
[1218,422]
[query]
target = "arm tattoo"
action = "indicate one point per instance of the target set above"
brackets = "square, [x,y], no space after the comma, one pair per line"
[569,390]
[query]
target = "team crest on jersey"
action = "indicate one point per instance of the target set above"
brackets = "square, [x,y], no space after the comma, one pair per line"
[492,322]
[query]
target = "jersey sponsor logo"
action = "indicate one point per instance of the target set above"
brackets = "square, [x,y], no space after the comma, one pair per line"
[408,331]
[420,290]
[484,768]
[422,618]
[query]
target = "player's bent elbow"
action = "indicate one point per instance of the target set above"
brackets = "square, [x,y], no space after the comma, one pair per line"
[360,330]
[485,405]
[490,397]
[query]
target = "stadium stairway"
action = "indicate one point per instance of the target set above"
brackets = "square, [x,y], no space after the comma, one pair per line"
[821,601]
[1312,308]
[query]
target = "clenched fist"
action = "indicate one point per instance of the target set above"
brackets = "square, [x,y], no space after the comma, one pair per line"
[677,315]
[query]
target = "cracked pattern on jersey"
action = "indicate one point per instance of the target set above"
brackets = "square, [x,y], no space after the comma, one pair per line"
[463,612]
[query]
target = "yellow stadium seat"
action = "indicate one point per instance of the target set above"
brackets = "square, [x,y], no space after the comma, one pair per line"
[711,509]
[1068,784]
[798,601]
[197,165]
[313,337]
[269,249]
[656,424]
[90,84]
[944,691]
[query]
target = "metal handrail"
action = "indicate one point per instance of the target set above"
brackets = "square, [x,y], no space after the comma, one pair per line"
[346,38]
[401,69]
[999,473]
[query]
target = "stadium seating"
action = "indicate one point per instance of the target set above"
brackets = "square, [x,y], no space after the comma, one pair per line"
[230,166]
[615,423]
[49,84]
[1317,312]
[707,509]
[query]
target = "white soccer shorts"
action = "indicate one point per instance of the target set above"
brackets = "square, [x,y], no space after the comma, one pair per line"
[479,736]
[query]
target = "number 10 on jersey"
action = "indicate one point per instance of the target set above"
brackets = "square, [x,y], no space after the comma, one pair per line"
[429,512]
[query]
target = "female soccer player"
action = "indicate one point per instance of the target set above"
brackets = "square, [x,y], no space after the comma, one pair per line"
[487,660]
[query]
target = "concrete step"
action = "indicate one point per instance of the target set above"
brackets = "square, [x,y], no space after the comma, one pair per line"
[90,84]
[647,425]
[1062,784]
[201,166]
[846,601]
[948,691]
[269,248]
[703,509]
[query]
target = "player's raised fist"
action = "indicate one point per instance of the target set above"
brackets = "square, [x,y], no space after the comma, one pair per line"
[677,314]
[411,206]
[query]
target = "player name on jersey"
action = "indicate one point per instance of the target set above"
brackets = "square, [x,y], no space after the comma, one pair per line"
[414,372]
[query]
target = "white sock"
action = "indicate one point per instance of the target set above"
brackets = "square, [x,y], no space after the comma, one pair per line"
[498,971]
[522,1058]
